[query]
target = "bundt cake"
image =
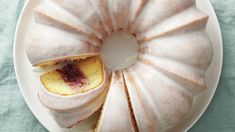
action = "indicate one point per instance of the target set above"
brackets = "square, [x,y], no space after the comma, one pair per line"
[153,90]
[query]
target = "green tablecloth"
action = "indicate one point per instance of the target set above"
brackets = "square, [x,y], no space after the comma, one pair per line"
[15,116]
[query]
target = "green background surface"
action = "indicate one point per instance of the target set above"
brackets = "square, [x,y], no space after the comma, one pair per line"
[15,116]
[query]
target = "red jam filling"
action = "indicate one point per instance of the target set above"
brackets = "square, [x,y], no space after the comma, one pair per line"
[72,75]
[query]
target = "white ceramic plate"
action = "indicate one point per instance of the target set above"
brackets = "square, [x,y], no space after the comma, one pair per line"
[27,83]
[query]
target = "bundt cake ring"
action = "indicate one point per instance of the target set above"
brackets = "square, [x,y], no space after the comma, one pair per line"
[149,91]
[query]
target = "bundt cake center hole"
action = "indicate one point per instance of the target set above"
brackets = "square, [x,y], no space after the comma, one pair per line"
[119,50]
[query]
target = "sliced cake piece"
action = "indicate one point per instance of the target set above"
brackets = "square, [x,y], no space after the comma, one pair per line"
[74,77]
[75,91]
[116,113]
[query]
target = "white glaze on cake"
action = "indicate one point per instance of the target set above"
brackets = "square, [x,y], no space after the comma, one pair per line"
[153,94]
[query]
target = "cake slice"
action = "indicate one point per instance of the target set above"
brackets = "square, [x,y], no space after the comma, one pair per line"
[74,91]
